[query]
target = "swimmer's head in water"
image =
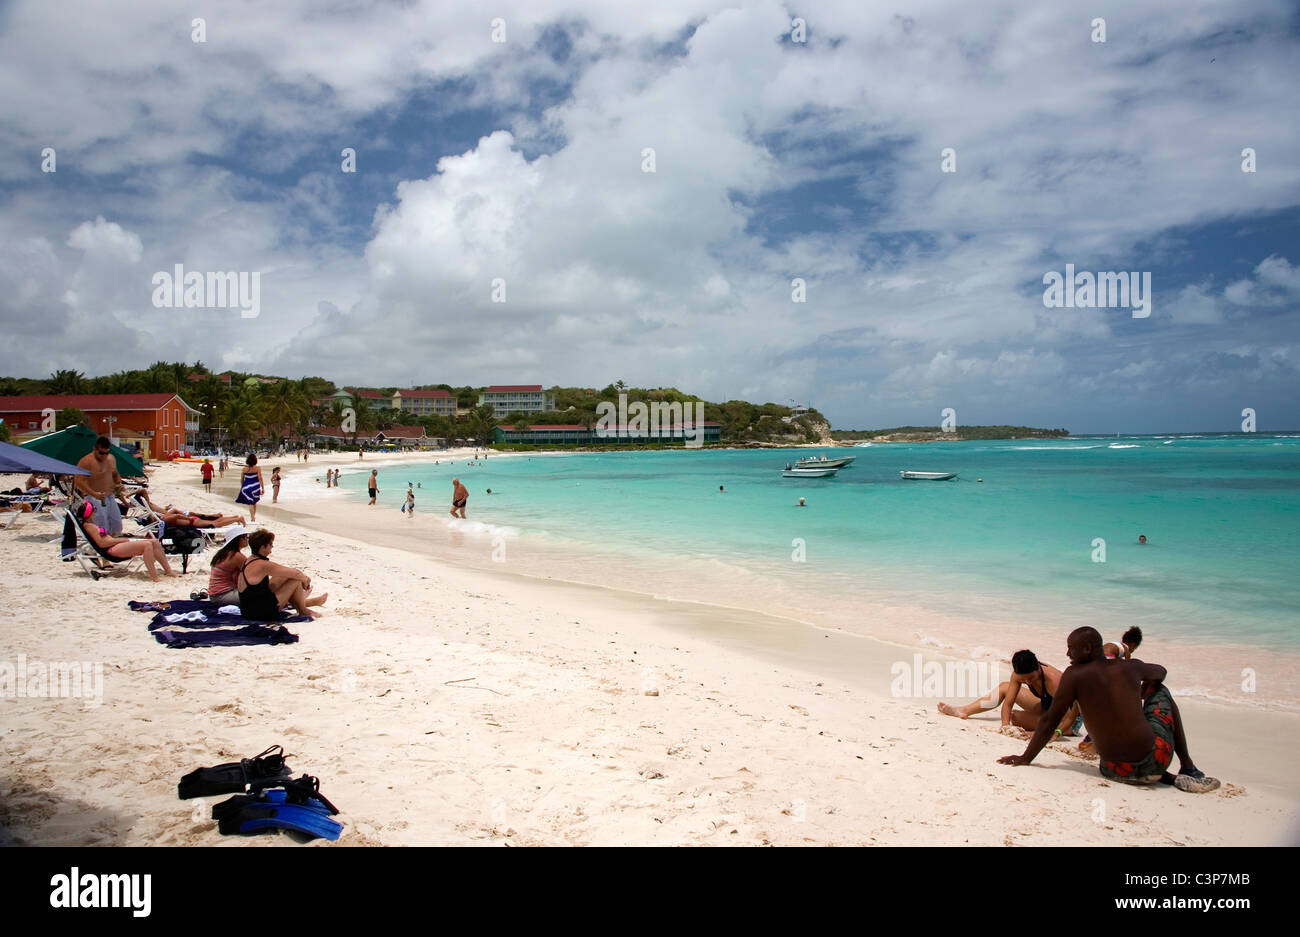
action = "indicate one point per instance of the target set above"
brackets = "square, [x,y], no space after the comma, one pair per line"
[1142,538]
[1024,662]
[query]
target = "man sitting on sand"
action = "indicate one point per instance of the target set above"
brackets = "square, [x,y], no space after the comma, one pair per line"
[1033,685]
[1131,716]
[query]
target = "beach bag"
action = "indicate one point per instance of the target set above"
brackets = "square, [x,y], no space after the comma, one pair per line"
[182,540]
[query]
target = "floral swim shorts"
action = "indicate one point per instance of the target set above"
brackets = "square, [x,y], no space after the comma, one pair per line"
[1159,710]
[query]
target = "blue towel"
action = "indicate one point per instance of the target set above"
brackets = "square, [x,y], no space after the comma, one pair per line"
[217,630]
[250,492]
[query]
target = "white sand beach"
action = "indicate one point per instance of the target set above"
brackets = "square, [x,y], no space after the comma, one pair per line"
[449,705]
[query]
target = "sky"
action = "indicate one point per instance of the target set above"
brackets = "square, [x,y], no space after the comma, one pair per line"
[846,204]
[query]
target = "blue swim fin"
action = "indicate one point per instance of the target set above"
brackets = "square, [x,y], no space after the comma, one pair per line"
[254,818]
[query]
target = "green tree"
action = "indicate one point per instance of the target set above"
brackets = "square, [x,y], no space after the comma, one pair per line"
[6,434]
[70,416]
[284,406]
[210,396]
[67,382]
[482,421]
[241,415]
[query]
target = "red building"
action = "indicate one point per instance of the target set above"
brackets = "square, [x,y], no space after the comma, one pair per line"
[161,423]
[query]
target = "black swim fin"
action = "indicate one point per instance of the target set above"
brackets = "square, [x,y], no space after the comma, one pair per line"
[244,775]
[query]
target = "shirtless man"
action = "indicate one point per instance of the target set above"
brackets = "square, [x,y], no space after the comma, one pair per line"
[100,485]
[1131,716]
[459,495]
[1032,685]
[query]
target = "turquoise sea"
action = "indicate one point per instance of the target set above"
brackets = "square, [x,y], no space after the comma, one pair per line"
[1221,514]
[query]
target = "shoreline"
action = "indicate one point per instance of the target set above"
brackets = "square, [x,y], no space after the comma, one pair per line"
[908,622]
[449,705]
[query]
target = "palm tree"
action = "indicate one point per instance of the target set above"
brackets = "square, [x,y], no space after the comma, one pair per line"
[285,405]
[482,421]
[210,397]
[242,415]
[67,382]
[364,414]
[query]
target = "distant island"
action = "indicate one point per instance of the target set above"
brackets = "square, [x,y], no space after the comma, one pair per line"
[935,434]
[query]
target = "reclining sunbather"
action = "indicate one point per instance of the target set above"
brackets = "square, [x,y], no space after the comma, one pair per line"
[123,548]
[179,518]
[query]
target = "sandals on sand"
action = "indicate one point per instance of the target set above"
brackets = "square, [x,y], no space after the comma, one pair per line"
[1195,782]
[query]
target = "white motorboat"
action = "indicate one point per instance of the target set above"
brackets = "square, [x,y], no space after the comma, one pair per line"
[929,476]
[823,462]
[823,472]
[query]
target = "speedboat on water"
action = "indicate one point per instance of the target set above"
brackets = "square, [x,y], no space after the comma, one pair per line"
[929,476]
[823,462]
[793,471]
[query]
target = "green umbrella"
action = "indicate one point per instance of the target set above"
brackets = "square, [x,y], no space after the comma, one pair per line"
[71,444]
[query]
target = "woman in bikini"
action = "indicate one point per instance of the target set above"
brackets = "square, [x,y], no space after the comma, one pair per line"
[123,548]
[266,587]
[275,485]
[1032,685]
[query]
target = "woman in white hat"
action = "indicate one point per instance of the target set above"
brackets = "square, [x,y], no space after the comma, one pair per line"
[226,565]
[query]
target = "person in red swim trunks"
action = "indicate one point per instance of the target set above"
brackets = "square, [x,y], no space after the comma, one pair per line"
[1129,713]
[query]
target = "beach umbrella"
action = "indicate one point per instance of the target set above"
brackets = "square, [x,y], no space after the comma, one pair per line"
[75,442]
[17,460]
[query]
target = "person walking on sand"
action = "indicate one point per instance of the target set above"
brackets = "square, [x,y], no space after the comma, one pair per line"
[459,496]
[206,471]
[1132,718]
[221,467]
[410,502]
[275,485]
[250,487]
[373,484]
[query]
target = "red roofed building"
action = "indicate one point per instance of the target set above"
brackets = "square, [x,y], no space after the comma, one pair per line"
[516,398]
[165,421]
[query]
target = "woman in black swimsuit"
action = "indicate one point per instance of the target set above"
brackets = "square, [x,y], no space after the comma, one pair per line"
[266,587]
[1031,686]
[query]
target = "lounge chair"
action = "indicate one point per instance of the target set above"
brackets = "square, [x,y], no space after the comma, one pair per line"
[75,545]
